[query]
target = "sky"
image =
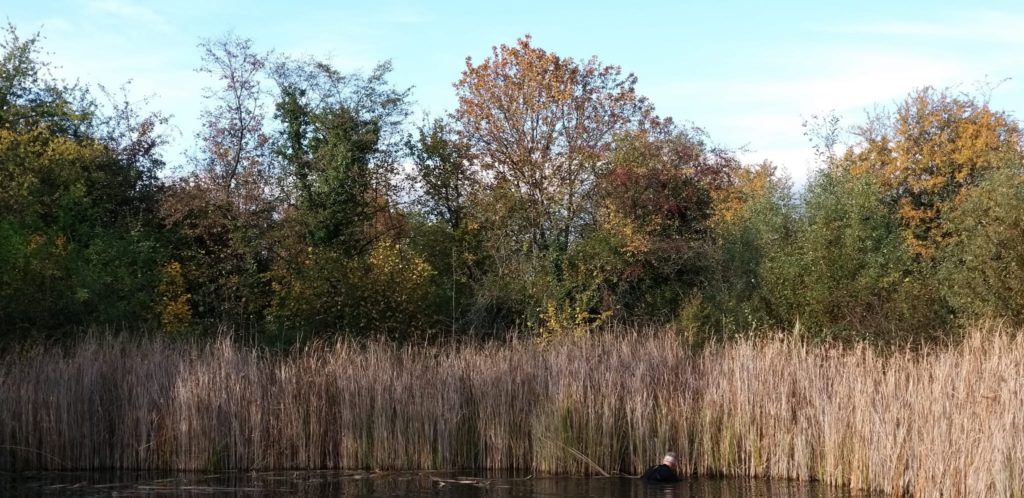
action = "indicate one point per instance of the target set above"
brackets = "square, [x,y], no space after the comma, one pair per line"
[748,72]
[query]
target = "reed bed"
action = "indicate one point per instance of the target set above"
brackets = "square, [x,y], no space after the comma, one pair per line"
[938,421]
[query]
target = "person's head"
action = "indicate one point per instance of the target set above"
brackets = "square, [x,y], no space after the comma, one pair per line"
[671,460]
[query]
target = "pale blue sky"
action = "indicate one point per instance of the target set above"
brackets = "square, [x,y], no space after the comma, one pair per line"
[748,72]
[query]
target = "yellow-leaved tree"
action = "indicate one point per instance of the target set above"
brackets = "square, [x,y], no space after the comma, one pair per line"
[936,146]
[540,128]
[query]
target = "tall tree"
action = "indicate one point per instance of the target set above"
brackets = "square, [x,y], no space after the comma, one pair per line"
[444,172]
[223,210]
[235,153]
[935,147]
[341,143]
[29,94]
[656,202]
[982,268]
[344,266]
[541,126]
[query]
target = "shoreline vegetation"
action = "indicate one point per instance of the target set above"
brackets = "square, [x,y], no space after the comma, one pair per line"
[553,198]
[938,420]
[342,240]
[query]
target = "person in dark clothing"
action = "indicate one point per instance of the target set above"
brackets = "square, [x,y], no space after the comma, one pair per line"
[668,471]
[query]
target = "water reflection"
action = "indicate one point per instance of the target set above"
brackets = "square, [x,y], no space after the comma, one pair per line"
[416,484]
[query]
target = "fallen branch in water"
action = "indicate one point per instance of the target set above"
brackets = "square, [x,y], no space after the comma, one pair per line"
[474,482]
[45,454]
[577,454]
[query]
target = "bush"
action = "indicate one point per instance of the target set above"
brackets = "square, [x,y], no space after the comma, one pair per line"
[983,266]
[746,288]
[851,257]
[381,293]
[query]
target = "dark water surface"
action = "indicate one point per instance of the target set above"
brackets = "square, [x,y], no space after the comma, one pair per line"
[420,484]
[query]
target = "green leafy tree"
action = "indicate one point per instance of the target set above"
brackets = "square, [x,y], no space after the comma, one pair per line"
[754,232]
[446,232]
[445,173]
[77,189]
[982,269]
[341,144]
[345,265]
[852,260]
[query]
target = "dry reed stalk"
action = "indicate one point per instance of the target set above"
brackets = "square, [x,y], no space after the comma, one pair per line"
[943,421]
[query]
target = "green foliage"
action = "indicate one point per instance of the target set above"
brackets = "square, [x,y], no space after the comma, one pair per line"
[29,95]
[982,269]
[835,262]
[51,281]
[552,198]
[380,293]
[34,293]
[339,143]
[458,261]
[851,254]
[752,245]
[337,199]
[341,265]
[114,277]
[77,189]
[444,173]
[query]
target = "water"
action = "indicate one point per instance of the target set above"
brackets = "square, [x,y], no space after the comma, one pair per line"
[390,484]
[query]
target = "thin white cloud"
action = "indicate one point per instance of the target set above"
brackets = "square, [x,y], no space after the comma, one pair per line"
[862,77]
[406,16]
[985,27]
[132,12]
[765,112]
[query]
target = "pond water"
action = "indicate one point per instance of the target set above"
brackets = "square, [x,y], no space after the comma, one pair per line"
[417,484]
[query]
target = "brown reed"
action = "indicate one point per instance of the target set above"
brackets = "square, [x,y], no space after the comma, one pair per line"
[938,421]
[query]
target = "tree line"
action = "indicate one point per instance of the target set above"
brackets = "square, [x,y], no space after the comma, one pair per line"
[553,198]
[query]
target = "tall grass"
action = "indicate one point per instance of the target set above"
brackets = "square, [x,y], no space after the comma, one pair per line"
[945,420]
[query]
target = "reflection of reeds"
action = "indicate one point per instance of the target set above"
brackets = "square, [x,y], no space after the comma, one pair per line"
[943,420]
